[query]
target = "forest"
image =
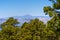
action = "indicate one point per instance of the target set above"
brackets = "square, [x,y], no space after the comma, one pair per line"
[35,29]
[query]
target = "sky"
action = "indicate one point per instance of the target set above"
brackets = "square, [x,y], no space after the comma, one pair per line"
[10,8]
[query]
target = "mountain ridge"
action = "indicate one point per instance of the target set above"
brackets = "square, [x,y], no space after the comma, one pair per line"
[26,18]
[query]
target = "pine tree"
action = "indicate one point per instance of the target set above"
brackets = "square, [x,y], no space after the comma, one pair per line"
[9,30]
[54,23]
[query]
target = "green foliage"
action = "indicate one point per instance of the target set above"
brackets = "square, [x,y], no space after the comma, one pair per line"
[33,30]
[54,23]
[52,10]
[28,31]
[9,30]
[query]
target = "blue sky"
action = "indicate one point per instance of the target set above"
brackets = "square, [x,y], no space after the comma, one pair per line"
[10,8]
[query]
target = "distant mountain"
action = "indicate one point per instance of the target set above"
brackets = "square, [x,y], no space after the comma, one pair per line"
[26,18]
[2,20]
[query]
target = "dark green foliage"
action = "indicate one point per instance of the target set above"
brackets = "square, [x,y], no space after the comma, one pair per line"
[9,30]
[34,30]
[54,23]
[28,31]
[52,10]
